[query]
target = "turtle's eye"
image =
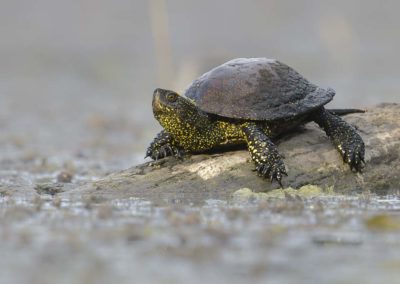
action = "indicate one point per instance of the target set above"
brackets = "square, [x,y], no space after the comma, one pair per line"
[172,97]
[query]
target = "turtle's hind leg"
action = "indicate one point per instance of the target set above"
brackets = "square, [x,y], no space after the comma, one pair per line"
[264,153]
[345,137]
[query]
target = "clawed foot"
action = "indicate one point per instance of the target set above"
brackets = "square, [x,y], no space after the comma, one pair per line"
[163,151]
[272,171]
[353,154]
[344,137]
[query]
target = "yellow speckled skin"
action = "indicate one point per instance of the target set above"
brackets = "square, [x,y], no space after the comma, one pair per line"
[344,136]
[189,129]
[195,130]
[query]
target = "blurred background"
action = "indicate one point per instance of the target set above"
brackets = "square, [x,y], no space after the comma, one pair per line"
[76,77]
[76,83]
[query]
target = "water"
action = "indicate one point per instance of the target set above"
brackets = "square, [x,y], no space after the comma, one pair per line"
[317,240]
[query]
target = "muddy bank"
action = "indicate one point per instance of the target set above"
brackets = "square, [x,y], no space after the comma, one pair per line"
[309,157]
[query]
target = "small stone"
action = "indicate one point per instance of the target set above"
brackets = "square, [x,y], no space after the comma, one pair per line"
[49,188]
[65,177]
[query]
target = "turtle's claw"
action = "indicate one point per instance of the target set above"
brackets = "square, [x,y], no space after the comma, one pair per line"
[178,153]
[149,152]
[353,155]
[272,172]
[164,151]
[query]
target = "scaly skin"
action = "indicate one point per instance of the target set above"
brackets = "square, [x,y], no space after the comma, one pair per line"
[187,129]
[346,139]
[163,146]
[264,153]
[192,129]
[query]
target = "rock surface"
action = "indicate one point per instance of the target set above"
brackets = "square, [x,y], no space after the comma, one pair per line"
[308,154]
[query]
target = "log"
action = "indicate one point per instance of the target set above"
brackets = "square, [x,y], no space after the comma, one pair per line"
[309,156]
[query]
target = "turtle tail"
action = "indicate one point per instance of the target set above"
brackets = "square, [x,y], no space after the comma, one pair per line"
[346,111]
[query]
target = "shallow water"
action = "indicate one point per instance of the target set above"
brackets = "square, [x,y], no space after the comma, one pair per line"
[315,240]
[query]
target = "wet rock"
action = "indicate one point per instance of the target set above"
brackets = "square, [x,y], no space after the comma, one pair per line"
[309,156]
[49,188]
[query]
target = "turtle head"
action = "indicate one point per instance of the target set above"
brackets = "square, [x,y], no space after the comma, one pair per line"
[167,102]
[178,114]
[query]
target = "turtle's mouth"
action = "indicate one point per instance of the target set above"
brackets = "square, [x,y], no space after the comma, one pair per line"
[156,102]
[159,105]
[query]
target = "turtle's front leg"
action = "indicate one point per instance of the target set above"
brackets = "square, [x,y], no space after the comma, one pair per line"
[163,146]
[264,153]
[344,137]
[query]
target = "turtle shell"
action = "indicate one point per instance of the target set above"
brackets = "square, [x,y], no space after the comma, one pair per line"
[256,89]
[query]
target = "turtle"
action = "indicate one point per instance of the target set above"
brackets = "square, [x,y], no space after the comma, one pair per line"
[249,101]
